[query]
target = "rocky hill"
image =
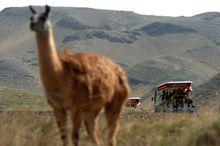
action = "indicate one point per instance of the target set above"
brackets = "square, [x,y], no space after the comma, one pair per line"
[151,49]
[207,95]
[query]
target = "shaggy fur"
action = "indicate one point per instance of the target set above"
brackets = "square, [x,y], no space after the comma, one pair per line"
[81,83]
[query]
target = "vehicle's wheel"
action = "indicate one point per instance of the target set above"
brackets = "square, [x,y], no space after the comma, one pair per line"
[157,109]
[190,108]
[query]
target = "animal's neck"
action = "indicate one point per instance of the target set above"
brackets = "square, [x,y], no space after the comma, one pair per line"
[50,65]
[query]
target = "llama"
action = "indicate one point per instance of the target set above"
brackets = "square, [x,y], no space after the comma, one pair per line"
[81,83]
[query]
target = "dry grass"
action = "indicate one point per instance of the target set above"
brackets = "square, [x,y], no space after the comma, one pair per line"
[137,128]
[12,99]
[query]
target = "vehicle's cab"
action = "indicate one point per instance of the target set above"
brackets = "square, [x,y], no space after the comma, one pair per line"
[134,102]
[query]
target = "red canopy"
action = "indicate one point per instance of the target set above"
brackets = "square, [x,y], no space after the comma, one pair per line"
[177,84]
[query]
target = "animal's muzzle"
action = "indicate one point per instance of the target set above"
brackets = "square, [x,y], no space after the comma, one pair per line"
[32,25]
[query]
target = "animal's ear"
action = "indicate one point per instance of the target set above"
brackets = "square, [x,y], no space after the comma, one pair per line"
[32,10]
[47,12]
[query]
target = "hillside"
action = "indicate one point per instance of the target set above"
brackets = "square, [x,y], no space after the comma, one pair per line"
[207,95]
[12,99]
[152,49]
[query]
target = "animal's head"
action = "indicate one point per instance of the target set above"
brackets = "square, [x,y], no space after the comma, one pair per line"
[40,21]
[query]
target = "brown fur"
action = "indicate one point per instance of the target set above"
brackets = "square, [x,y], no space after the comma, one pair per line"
[83,84]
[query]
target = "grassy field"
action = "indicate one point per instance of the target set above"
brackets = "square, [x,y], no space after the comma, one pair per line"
[22,124]
[12,99]
[138,127]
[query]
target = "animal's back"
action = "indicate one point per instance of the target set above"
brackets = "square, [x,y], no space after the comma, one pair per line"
[94,78]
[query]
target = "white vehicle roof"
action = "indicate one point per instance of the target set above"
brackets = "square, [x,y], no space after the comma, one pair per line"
[175,82]
[135,98]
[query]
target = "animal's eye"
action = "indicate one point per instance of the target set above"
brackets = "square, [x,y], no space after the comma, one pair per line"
[43,18]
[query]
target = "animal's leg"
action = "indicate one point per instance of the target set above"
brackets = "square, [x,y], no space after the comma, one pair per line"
[61,119]
[91,126]
[112,114]
[76,119]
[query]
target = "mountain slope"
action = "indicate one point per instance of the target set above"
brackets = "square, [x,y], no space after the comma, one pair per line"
[207,95]
[151,49]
